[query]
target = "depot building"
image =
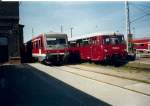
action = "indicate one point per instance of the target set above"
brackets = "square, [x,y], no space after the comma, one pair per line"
[11,33]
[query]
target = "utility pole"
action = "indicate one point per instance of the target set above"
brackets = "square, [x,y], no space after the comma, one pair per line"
[32,32]
[61,29]
[71,31]
[128,27]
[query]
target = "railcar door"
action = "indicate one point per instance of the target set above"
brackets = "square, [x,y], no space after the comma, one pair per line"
[3,49]
[85,49]
[95,50]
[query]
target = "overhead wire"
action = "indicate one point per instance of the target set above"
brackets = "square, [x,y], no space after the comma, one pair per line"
[142,10]
[143,5]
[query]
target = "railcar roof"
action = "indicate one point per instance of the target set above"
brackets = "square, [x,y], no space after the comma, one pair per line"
[50,34]
[54,33]
[93,34]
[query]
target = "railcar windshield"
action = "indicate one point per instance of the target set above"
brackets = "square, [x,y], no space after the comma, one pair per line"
[56,41]
[114,40]
[107,40]
[117,40]
[121,39]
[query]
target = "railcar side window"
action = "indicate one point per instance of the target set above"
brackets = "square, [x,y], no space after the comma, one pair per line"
[85,41]
[36,44]
[72,43]
[33,45]
[39,43]
[141,44]
[79,43]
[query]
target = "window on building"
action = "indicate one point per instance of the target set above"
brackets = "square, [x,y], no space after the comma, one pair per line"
[3,41]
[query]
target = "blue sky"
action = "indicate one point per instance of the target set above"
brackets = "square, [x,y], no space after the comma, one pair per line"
[84,17]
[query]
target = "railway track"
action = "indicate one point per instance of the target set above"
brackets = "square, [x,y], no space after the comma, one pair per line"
[114,75]
[77,72]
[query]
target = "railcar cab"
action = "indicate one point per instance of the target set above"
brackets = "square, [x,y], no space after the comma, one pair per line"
[50,47]
[56,42]
[56,47]
[114,46]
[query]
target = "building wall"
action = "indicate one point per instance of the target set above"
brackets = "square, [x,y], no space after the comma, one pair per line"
[10,28]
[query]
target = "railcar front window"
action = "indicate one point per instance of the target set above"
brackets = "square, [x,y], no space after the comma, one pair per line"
[114,41]
[55,41]
[61,41]
[51,41]
[121,39]
[117,40]
[107,41]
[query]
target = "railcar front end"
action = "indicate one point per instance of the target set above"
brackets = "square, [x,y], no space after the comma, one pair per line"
[56,48]
[50,48]
[114,47]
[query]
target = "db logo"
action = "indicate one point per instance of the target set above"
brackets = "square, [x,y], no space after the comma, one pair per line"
[115,47]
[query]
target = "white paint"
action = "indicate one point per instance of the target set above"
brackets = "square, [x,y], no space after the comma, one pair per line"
[37,54]
[40,51]
[149,46]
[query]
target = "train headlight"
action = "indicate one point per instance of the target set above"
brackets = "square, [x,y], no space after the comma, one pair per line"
[105,50]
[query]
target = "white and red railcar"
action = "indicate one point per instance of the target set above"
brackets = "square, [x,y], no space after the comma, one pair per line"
[141,45]
[49,47]
[98,47]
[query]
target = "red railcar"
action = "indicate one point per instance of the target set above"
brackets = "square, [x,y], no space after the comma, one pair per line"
[50,47]
[141,44]
[98,47]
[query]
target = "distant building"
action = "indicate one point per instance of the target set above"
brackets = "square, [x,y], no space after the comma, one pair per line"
[141,45]
[11,32]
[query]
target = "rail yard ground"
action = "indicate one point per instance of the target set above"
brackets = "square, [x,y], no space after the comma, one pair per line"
[138,70]
[74,85]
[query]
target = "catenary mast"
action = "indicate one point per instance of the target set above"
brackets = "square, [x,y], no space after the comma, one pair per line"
[128,27]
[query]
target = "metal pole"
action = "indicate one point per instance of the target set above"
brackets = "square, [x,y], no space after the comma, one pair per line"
[71,31]
[32,32]
[127,23]
[128,13]
[61,28]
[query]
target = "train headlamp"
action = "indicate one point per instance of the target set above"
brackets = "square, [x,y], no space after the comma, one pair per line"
[105,50]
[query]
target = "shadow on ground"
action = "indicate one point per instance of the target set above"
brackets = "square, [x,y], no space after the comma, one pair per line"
[25,85]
